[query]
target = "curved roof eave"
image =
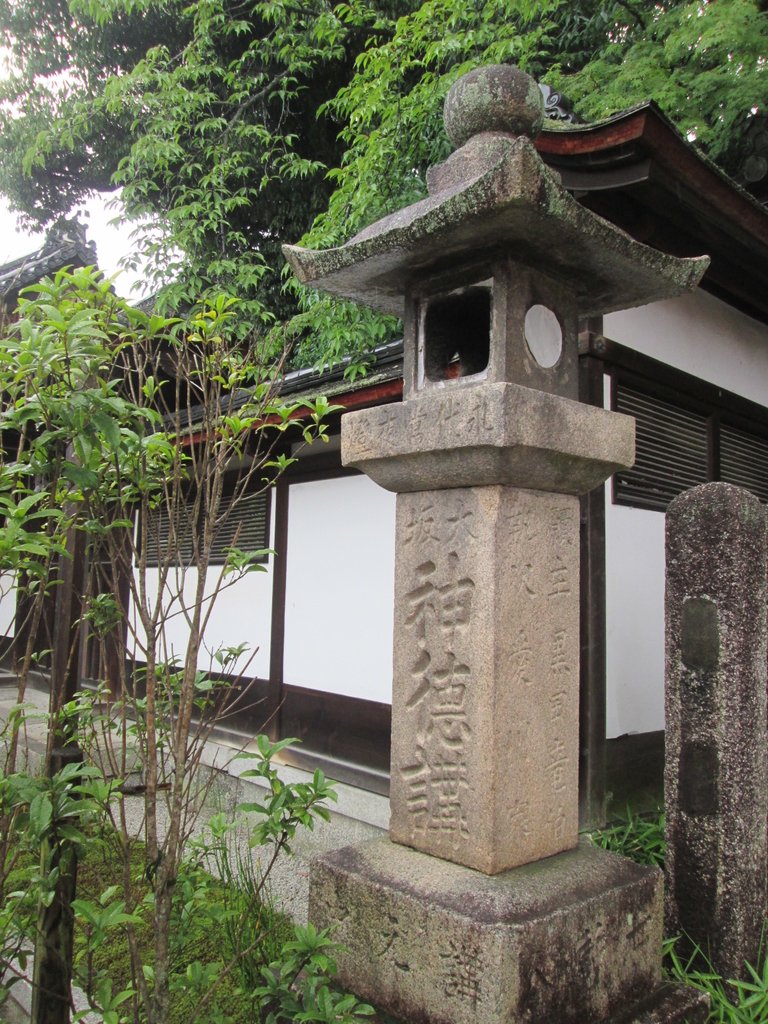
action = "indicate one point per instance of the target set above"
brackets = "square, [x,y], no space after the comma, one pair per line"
[637,170]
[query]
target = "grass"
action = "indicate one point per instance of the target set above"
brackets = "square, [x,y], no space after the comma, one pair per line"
[637,836]
[733,1001]
[205,939]
[736,1001]
[199,938]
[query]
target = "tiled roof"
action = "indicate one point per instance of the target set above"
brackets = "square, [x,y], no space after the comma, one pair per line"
[385,364]
[65,245]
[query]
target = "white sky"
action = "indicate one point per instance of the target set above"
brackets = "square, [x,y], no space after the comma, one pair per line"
[112,242]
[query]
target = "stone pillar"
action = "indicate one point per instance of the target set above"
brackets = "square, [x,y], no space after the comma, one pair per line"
[487,644]
[486,611]
[486,628]
[716,774]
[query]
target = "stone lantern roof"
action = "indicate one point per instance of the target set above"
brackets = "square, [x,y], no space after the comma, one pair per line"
[493,195]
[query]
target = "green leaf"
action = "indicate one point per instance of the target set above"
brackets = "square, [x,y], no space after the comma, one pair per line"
[41,813]
[83,478]
[109,428]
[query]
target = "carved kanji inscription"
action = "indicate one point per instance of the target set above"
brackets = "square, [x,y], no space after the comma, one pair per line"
[485,738]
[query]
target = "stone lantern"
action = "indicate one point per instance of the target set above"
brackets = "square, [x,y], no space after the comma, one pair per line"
[488,453]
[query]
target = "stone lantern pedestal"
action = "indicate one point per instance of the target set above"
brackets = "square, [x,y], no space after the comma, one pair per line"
[482,907]
[571,939]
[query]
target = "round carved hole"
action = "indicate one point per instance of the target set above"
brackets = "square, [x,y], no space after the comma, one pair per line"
[543,335]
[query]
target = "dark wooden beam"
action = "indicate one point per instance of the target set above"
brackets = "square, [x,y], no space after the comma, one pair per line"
[592,677]
[277,629]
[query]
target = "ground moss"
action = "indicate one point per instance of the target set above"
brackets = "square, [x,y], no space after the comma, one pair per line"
[200,939]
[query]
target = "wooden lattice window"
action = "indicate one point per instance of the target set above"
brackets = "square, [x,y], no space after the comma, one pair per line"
[683,440]
[244,520]
[744,460]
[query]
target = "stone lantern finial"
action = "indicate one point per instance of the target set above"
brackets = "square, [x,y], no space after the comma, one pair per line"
[495,98]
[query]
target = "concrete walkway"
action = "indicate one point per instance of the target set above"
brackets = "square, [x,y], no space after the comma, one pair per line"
[35,728]
[356,816]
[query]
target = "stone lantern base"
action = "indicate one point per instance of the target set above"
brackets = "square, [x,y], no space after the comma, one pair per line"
[572,939]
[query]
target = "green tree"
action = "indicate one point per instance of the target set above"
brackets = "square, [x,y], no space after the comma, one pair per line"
[207,116]
[58,63]
[143,437]
[705,63]
[267,121]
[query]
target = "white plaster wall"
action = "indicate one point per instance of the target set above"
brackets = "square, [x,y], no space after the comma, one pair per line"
[707,338]
[242,613]
[634,552]
[7,604]
[340,586]
[701,335]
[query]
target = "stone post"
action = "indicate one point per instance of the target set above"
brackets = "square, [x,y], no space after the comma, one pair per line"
[716,773]
[481,908]
[486,613]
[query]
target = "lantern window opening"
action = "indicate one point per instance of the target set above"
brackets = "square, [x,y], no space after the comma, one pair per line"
[454,330]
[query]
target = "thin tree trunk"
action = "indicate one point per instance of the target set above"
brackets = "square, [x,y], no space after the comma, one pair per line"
[51,997]
[52,976]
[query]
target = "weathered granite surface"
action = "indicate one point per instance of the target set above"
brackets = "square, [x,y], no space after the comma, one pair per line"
[668,1004]
[499,97]
[488,434]
[716,775]
[485,703]
[568,940]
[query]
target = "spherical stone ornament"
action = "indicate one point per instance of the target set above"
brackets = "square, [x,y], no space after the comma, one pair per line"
[495,98]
